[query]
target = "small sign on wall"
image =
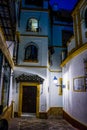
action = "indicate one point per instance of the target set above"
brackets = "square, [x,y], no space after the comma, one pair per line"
[79,84]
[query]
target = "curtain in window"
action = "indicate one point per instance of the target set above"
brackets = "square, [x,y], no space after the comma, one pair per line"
[31,53]
[32,25]
[86,18]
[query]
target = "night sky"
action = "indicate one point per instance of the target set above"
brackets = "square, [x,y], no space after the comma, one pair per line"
[64,4]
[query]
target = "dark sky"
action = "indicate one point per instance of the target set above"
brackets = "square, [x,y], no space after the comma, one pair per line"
[64,4]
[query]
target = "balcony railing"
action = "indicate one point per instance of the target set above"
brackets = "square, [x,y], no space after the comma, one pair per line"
[8,19]
[71,45]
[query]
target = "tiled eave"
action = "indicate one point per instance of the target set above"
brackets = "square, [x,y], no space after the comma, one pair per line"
[29,78]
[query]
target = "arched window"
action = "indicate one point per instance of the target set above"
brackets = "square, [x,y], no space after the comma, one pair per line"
[31,53]
[86,18]
[32,25]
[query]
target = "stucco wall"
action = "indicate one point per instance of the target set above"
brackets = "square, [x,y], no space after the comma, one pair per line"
[42,18]
[48,90]
[42,72]
[55,100]
[75,103]
[42,45]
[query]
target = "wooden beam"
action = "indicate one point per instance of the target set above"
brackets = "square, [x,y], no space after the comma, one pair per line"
[5,51]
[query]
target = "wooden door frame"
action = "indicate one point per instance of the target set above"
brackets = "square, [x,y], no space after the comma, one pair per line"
[21,94]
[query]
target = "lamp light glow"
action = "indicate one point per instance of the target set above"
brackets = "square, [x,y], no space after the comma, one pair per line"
[55,80]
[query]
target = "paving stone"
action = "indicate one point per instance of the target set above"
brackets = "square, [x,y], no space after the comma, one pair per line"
[28,123]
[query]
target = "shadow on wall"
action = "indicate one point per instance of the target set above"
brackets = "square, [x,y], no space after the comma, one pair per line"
[3,122]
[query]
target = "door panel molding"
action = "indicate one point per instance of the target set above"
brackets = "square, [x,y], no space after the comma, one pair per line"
[21,94]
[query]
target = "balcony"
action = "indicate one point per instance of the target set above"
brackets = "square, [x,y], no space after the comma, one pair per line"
[71,45]
[8,19]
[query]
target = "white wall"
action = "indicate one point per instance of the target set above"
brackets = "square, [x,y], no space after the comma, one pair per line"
[42,44]
[42,72]
[75,103]
[55,100]
[48,90]
[41,16]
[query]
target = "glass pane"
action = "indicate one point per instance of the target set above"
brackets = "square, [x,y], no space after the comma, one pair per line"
[86,18]
[33,25]
[31,53]
[1,57]
[6,85]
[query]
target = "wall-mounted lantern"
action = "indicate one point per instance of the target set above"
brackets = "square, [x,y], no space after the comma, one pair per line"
[55,80]
[58,83]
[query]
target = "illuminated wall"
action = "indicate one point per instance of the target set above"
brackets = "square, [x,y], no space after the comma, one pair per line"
[74,69]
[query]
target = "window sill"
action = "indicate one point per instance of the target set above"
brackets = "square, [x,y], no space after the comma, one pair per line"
[33,61]
[27,30]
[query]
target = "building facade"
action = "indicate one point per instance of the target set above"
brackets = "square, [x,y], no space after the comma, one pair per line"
[43,51]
